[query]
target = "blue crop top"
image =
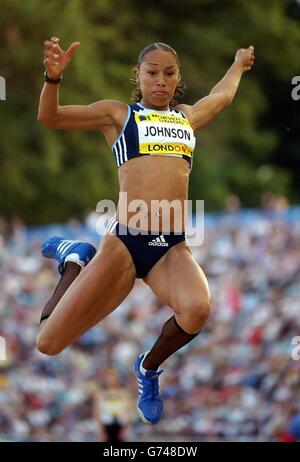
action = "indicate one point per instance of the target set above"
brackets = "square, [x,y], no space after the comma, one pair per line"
[155,133]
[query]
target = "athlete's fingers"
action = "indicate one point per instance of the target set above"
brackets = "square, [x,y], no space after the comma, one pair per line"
[53,59]
[48,45]
[51,54]
[50,62]
[53,45]
[72,48]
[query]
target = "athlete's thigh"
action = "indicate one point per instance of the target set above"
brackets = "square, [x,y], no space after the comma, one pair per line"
[177,280]
[97,291]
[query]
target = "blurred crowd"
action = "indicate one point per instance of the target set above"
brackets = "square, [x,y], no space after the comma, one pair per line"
[237,381]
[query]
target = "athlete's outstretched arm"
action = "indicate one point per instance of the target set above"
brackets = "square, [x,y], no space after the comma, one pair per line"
[93,116]
[222,94]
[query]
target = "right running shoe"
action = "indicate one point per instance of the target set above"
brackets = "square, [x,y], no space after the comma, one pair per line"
[150,404]
[64,250]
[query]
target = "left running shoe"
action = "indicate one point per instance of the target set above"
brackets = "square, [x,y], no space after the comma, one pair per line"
[64,250]
[150,404]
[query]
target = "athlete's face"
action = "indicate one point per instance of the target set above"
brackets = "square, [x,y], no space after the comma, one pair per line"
[158,77]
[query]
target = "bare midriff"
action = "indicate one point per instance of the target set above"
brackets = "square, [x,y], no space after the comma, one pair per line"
[153,193]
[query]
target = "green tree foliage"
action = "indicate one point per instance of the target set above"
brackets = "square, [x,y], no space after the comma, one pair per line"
[50,175]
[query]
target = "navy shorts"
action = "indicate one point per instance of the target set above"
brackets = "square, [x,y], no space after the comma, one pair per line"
[145,249]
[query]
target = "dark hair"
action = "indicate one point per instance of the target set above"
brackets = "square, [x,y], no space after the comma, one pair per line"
[136,94]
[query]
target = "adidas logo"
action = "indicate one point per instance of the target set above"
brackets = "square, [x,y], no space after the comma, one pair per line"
[159,241]
[64,245]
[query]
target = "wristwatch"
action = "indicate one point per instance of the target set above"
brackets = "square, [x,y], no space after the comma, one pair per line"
[49,80]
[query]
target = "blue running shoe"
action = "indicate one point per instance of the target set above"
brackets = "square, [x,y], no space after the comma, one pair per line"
[64,250]
[150,405]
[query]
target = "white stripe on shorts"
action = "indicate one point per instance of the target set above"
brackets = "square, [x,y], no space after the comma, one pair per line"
[111,225]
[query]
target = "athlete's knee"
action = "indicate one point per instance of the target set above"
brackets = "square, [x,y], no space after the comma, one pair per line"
[46,345]
[204,309]
[195,312]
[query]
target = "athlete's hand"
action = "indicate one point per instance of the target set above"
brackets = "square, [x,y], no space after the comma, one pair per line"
[55,59]
[245,57]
